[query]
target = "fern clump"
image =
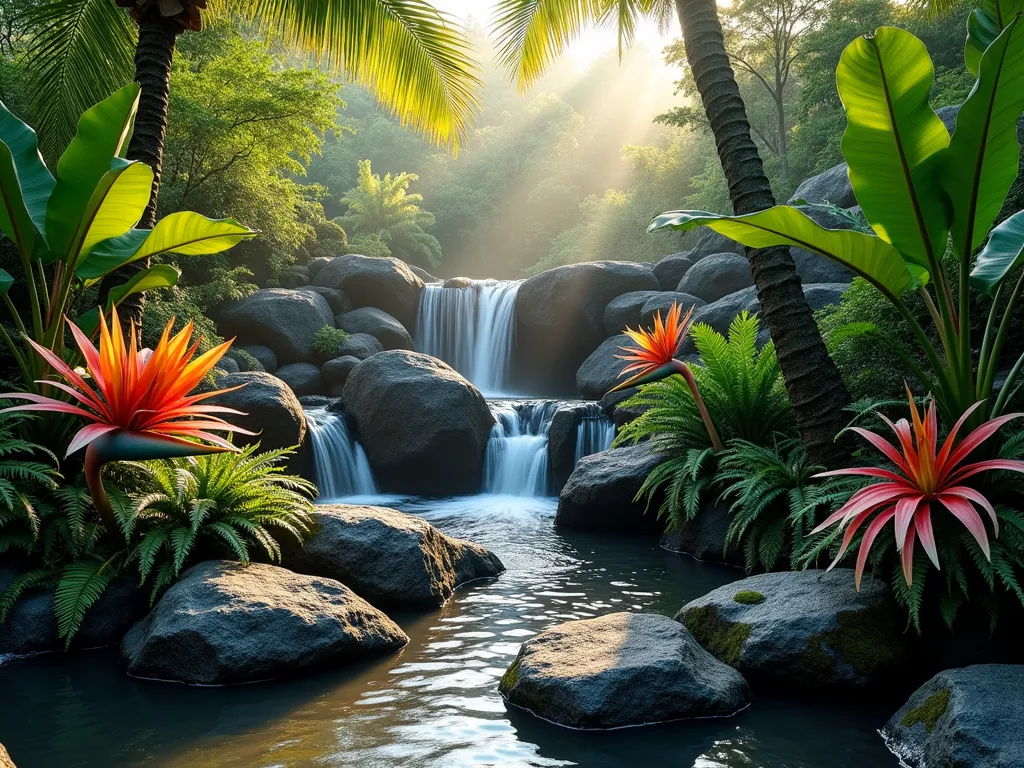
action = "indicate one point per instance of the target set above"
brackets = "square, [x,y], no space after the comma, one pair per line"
[327,340]
[235,505]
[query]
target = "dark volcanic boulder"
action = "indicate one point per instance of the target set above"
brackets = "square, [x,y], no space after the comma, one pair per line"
[662,302]
[337,299]
[562,436]
[283,320]
[227,365]
[245,362]
[600,371]
[368,281]
[560,320]
[704,241]
[360,346]
[223,623]
[832,186]
[303,378]
[962,718]
[813,268]
[424,426]
[272,410]
[720,314]
[703,537]
[264,356]
[670,270]
[804,629]
[318,263]
[621,669]
[379,324]
[336,372]
[624,310]
[423,275]
[600,491]
[391,559]
[716,276]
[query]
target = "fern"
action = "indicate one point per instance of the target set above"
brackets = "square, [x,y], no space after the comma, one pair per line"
[81,584]
[223,505]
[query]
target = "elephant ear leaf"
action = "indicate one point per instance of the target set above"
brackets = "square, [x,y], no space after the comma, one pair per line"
[868,256]
[25,182]
[1003,253]
[984,154]
[984,25]
[6,281]
[157,276]
[894,143]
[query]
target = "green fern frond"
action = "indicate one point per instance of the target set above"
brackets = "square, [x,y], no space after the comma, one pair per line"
[81,584]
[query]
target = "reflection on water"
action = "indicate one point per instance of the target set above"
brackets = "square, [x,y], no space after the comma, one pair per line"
[435,703]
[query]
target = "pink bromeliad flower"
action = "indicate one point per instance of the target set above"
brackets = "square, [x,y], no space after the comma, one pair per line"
[929,481]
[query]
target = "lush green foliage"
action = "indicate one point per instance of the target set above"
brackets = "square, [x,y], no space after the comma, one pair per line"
[233,505]
[327,339]
[27,472]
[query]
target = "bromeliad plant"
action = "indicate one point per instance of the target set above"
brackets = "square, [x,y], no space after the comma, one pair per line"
[74,228]
[918,188]
[139,404]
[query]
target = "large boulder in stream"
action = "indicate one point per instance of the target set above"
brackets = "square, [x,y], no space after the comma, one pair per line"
[703,537]
[805,630]
[281,319]
[600,371]
[599,495]
[368,281]
[962,718]
[563,435]
[560,320]
[423,425]
[271,408]
[389,558]
[621,669]
[223,623]
[377,323]
[625,310]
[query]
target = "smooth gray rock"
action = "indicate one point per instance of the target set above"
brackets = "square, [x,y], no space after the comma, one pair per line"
[223,623]
[264,355]
[294,277]
[621,669]
[423,275]
[624,311]
[813,268]
[281,319]
[271,407]
[671,268]
[962,718]
[562,441]
[716,276]
[317,263]
[228,365]
[379,324]
[387,284]
[423,425]
[599,495]
[337,300]
[303,378]
[336,372]
[360,346]
[662,302]
[560,320]
[600,371]
[831,186]
[705,241]
[703,537]
[389,558]
[812,630]
[720,314]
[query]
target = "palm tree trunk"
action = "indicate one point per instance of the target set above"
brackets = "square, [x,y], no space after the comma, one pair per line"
[153,56]
[812,380]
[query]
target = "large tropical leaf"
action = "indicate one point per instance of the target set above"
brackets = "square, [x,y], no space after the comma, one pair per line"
[6,281]
[184,232]
[90,167]
[867,255]
[25,182]
[157,276]
[984,25]
[894,143]
[984,154]
[1003,253]
[82,51]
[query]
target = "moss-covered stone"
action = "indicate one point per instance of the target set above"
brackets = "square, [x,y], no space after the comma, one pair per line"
[748,597]
[723,639]
[858,642]
[929,712]
[511,676]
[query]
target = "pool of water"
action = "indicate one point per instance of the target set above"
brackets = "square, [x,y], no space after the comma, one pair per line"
[434,704]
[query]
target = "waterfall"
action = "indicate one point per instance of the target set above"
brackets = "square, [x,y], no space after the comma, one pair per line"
[517,451]
[471,329]
[594,433]
[341,465]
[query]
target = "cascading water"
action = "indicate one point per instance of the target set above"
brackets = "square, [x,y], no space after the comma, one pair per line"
[594,433]
[517,451]
[471,329]
[342,468]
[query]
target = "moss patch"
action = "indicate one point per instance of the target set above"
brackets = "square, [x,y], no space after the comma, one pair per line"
[748,597]
[723,639]
[511,676]
[929,712]
[862,640]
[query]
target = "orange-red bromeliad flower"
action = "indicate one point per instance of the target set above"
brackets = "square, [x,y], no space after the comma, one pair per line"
[929,480]
[654,359]
[139,403]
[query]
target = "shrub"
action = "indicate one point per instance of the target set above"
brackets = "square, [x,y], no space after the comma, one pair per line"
[327,339]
